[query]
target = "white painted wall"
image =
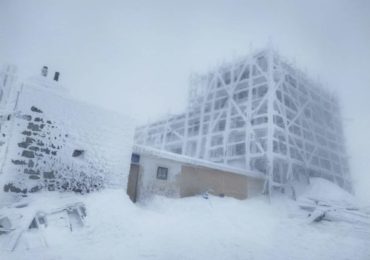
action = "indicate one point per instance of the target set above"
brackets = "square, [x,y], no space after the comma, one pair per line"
[148,183]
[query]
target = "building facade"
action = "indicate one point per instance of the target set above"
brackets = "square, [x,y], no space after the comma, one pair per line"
[260,114]
[50,141]
[157,172]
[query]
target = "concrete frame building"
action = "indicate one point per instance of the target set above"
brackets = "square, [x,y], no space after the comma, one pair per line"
[260,114]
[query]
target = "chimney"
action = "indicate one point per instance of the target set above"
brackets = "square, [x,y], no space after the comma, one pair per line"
[44,71]
[56,76]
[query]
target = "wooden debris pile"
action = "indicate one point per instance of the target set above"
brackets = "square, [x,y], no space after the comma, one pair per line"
[320,210]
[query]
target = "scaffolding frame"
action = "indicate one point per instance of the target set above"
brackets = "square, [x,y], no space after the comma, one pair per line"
[258,113]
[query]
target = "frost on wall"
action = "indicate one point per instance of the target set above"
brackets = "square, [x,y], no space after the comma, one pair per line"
[37,162]
[261,115]
[56,143]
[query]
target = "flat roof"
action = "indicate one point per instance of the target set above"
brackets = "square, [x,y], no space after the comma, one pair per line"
[140,149]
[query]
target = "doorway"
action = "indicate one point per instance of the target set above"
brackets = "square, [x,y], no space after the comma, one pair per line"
[133,178]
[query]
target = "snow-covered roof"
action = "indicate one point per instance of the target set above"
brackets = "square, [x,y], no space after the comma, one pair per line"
[145,150]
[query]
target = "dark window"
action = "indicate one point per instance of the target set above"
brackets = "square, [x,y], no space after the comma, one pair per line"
[42,220]
[56,76]
[44,71]
[78,153]
[240,149]
[33,224]
[162,173]
[245,74]
[135,158]
[227,77]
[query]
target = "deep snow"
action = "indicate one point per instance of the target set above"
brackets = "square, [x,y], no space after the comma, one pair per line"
[196,228]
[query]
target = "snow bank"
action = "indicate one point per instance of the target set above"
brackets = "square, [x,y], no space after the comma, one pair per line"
[321,189]
[193,228]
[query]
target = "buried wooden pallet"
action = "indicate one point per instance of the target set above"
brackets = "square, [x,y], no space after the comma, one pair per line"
[334,211]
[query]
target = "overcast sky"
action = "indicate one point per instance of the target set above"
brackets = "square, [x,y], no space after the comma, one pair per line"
[136,57]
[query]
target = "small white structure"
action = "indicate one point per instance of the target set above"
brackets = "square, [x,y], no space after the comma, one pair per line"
[163,173]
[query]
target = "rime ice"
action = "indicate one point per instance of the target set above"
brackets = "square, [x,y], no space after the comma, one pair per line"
[261,114]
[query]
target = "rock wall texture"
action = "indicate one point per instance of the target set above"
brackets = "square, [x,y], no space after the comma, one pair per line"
[48,141]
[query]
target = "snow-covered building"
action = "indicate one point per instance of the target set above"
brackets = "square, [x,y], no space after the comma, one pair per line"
[260,114]
[159,172]
[49,141]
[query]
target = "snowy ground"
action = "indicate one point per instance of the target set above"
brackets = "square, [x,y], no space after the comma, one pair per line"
[196,228]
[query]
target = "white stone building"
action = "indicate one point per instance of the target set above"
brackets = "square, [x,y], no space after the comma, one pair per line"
[49,141]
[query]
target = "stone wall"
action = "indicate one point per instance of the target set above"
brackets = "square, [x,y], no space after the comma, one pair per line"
[36,151]
[49,141]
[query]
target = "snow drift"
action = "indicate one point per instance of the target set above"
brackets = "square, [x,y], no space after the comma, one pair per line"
[195,228]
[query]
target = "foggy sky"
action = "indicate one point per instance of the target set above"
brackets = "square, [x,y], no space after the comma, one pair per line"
[135,57]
